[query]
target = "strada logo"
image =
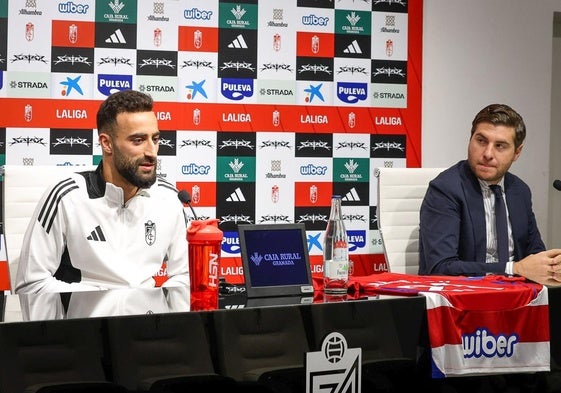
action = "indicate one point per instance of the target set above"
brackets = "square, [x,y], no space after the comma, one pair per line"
[28,85]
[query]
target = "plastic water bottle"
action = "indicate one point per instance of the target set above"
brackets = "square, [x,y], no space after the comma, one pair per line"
[335,251]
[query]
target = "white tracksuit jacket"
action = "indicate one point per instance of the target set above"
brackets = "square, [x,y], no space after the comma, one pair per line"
[83,237]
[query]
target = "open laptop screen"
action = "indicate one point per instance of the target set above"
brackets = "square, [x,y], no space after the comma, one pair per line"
[275,259]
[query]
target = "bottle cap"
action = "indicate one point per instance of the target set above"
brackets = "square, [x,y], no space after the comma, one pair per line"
[204,230]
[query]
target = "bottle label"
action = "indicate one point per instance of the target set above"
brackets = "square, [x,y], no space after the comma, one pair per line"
[337,269]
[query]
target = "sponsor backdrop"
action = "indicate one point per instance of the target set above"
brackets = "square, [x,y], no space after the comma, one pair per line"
[266,108]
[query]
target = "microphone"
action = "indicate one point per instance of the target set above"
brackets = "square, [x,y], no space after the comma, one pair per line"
[557,185]
[185,197]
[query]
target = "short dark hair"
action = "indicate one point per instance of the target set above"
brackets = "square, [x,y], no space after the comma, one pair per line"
[501,114]
[119,102]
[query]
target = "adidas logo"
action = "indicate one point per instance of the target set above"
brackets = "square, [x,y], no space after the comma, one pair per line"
[238,43]
[236,196]
[351,196]
[116,38]
[97,235]
[353,48]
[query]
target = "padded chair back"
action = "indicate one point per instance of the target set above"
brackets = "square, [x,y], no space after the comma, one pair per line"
[53,356]
[23,187]
[153,351]
[400,194]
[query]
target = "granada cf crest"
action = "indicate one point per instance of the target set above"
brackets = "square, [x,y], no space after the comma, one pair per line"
[150,232]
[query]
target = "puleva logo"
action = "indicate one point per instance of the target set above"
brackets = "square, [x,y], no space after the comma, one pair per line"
[108,84]
[352,92]
[236,89]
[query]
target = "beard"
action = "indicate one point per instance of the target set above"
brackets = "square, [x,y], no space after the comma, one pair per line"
[128,168]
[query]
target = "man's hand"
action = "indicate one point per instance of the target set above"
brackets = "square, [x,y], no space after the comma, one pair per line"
[543,268]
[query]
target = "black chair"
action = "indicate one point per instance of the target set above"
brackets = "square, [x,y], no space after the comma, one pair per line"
[162,353]
[263,349]
[388,354]
[53,357]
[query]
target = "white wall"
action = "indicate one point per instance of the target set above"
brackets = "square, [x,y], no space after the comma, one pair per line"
[479,52]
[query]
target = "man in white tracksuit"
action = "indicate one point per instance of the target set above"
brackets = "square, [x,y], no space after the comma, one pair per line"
[112,227]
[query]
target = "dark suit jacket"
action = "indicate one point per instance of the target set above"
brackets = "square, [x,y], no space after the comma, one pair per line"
[452,238]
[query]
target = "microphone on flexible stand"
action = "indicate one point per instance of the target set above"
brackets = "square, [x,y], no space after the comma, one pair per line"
[557,184]
[185,197]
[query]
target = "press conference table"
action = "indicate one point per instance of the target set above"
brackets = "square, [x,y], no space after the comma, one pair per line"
[401,318]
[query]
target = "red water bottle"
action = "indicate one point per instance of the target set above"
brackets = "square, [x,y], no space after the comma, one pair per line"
[205,240]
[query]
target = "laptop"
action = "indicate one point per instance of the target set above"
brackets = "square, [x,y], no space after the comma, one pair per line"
[275,260]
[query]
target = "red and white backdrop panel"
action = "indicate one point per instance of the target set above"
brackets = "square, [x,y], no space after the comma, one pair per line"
[266,108]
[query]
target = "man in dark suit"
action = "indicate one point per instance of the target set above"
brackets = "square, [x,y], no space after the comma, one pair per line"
[457,218]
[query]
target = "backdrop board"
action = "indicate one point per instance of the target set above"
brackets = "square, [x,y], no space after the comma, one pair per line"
[266,108]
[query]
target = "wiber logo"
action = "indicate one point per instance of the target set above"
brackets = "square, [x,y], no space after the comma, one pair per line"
[483,343]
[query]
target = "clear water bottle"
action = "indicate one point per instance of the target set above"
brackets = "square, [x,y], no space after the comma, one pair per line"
[335,251]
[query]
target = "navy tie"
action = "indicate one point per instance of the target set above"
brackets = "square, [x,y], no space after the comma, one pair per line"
[501,224]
